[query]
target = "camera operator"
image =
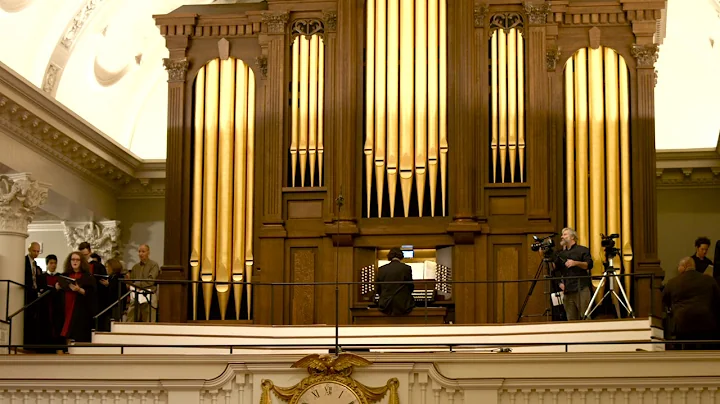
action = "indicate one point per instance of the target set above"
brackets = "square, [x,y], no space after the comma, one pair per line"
[575,260]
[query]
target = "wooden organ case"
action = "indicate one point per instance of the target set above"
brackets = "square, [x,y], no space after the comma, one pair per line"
[304,137]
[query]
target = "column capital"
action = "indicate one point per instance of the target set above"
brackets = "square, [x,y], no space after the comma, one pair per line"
[537,13]
[102,236]
[646,55]
[275,22]
[330,19]
[20,198]
[480,12]
[176,68]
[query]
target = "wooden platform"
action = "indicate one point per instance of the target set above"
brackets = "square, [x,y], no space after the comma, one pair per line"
[204,339]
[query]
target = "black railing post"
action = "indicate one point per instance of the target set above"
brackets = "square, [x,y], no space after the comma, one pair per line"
[7,301]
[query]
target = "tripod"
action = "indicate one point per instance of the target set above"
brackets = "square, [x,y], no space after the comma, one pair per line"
[547,265]
[610,278]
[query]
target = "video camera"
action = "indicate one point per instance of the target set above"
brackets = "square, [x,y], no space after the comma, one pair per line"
[608,243]
[545,244]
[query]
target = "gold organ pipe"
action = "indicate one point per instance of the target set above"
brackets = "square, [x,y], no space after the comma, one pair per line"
[626,188]
[494,102]
[295,108]
[304,84]
[369,102]
[393,73]
[198,141]
[582,144]
[241,172]
[512,100]
[207,270]
[612,147]
[502,92]
[250,188]
[225,183]
[432,141]
[381,117]
[321,109]
[597,156]
[521,102]
[443,103]
[406,101]
[312,141]
[570,142]
[421,108]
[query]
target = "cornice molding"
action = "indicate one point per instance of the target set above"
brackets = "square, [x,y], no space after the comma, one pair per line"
[44,125]
[699,168]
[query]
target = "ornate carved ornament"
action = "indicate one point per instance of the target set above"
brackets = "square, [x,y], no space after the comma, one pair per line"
[646,55]
[59,136]
[552,57]
[688,169]
[78,22]
[330,19]
[506,22]
[307,27]
[51,78]
[537,13]
[176,68]
[262,63]
[103,237]
[208,30]
[20,198]
[275,22]
[479,13]
[594,19]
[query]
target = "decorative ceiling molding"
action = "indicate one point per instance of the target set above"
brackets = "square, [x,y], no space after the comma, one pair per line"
[688,168]
[54,131]
[584,14]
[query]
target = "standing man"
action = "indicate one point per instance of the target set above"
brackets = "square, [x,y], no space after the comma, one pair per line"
[694,301]
[147,270]
[575,260]
[395,298]
[34,285]
[702,262]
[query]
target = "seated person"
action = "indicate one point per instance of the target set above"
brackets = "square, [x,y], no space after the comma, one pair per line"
[395,298]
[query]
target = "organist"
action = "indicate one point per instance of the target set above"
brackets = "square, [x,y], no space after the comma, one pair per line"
[395,299]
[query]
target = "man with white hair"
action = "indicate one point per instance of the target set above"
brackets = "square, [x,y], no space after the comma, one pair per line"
[574,261]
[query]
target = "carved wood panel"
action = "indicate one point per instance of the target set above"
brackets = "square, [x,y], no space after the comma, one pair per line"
[303,297]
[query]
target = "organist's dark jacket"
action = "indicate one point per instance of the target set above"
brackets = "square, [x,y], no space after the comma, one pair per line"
[395,298]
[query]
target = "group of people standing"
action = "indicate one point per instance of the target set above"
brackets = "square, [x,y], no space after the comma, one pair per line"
[81,289]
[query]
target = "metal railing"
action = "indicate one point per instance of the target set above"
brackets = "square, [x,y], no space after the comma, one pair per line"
[426,306]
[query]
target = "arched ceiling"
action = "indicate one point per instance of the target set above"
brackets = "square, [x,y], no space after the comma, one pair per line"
[103,60]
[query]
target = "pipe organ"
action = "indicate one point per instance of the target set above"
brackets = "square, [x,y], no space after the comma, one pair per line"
[597,146]
[406,108]
[308,85]
[304,137]
[507,99]
[223,185]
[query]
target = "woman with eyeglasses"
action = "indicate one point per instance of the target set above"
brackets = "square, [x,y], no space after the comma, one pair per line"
[79,289]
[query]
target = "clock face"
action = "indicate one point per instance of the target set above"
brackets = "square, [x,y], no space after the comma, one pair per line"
[328,393]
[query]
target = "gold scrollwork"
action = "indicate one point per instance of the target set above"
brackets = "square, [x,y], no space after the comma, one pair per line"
[307,27]
[506,22]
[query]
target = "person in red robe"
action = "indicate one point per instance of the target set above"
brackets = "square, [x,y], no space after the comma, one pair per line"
[79,288]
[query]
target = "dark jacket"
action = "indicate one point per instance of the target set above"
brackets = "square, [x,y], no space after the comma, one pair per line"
[36,316]
[693,299]
[395,298]
[576,253]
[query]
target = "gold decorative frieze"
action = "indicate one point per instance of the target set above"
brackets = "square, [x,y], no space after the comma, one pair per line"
[537,13]
[479,13]
[275,22]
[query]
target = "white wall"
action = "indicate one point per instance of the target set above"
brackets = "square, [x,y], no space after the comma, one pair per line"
[683,216]
[142,222]
[51,236]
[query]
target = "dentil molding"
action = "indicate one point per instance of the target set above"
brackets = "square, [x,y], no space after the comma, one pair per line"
[20,198]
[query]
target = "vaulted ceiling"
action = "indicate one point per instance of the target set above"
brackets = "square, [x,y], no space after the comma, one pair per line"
[103,60]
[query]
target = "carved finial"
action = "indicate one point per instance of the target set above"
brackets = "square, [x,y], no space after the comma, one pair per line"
[646,55]
[552,56]
[262,64]
[330,18]
[594,37]
[176,68]
[20,198]
[537,13]
[480,12]
[275,22]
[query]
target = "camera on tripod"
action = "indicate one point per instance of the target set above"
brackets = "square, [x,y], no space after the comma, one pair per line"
[608,243]
[545,244]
